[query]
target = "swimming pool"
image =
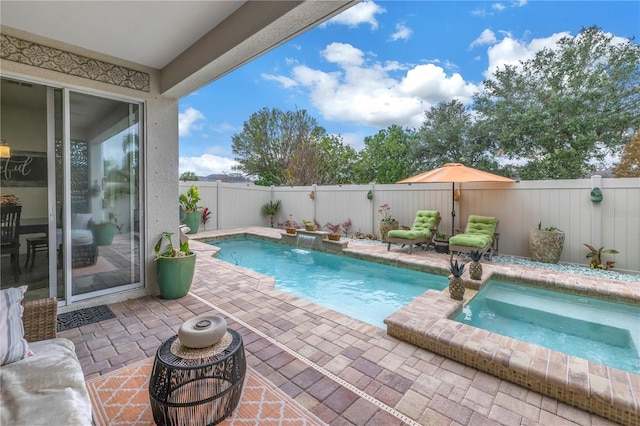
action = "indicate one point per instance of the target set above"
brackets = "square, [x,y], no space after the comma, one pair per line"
[364,290]
[597,330]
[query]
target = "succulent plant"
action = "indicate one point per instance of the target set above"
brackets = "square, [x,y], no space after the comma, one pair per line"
[455,268]
[475,255]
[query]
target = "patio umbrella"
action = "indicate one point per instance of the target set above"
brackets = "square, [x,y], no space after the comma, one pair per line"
[455,173]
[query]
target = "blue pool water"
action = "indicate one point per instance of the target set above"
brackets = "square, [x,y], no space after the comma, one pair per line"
[597,330]
[364,290]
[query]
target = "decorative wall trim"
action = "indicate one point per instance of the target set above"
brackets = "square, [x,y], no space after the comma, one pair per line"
[26,52]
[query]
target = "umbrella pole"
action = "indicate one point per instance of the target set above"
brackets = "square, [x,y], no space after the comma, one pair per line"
[453,207]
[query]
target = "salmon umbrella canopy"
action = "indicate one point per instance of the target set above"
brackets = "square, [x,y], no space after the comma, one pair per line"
[455,173]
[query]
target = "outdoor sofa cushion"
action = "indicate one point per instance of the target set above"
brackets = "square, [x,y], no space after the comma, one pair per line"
[45,389]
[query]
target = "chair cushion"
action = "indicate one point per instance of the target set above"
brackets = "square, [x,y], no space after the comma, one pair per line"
[423,223]
[13,345]
[481,225]
[407,234]
[470,240]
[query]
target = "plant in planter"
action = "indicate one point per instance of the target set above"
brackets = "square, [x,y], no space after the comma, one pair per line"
[189,204]
[334,234]
[596,257]
[456,284]
[475,267]
[441,243]
[175,267]
[387,223]
[106,231]
[290,225]
[309,226]
[546,244]
[270,210]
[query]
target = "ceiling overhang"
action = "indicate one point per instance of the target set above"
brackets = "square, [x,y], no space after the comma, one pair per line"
[191,43]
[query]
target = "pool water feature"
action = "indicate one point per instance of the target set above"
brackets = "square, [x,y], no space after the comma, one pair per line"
[364,290]
[597,330]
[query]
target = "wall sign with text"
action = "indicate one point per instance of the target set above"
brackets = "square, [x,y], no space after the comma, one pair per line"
[24,168]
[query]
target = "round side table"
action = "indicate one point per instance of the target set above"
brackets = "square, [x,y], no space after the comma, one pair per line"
[197,386]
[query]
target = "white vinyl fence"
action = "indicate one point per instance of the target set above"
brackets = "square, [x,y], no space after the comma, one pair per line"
[566,204]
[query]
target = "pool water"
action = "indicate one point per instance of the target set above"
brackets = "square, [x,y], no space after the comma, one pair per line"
[364,290]
[597,330]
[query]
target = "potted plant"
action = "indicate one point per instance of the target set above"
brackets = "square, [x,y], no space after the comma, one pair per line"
[387,223]
[334,231]
[189,204]
[175,267]
[475,267]
[441,243]
[546,244]
[105,231]
[596,257]
[309,226]
[270,210]
[456,284]
[291,226]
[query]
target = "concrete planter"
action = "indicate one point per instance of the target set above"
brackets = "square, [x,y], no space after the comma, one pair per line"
[385,227]
[546,246]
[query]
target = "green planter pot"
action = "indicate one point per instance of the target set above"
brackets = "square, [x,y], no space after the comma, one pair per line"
[105,233]
[192,220]
[175,275]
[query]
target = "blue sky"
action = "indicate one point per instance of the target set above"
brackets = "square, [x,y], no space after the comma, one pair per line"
[382,63]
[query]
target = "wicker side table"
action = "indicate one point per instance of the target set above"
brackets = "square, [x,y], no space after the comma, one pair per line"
[197,386]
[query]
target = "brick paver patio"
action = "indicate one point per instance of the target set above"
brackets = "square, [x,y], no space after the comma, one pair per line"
[342,370]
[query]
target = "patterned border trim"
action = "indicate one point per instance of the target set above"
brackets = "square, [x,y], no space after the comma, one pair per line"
[26,52]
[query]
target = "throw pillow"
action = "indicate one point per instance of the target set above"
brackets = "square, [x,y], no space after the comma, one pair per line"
[80,220]
[13,346]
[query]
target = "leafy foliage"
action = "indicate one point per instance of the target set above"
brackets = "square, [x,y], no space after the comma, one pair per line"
[188,176]
[596,257]
[270,209]
[449,135]
[566,107]
[629,165]
[387,157]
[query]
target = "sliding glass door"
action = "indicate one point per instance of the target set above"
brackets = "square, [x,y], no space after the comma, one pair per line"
[74,170]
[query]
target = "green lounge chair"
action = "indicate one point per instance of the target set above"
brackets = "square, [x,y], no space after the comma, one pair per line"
[480,234]
[423,230]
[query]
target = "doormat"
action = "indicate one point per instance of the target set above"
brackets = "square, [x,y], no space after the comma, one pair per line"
[84,316]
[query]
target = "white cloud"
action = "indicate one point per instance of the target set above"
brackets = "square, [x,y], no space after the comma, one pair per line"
[285,81]
[362,13]
[377,94]
[189,120]
[510,51]
[402,33]
[206,164]
[498,6]
[486,37]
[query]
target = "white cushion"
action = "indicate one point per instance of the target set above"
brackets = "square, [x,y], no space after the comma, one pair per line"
[80,220]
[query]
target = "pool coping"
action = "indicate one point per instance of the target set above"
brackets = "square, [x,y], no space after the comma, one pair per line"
[602,390]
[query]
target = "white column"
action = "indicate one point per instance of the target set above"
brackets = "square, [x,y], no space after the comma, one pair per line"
[596,215]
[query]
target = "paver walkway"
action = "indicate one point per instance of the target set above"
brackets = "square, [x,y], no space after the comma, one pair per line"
[342,370]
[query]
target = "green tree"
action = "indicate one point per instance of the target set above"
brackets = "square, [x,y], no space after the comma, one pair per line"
[449,135]
[567,108]
[326,161]
[388,156]
[186,176]
[269,140]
